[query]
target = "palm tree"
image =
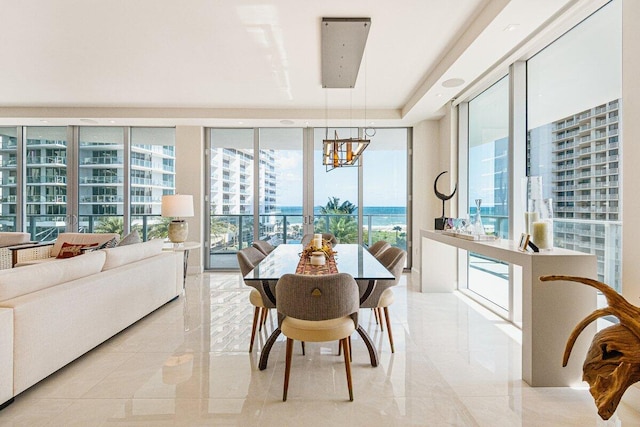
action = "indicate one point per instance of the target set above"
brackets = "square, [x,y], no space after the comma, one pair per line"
[341,221]
[397,229]
[160,229]
[110,224]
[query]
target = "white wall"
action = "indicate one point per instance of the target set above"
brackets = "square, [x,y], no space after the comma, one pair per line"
[426,206]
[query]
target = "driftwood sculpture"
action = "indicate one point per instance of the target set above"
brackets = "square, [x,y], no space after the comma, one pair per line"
[612,363]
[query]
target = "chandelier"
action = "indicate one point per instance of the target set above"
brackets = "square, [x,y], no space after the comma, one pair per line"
[342,152]
[343,43]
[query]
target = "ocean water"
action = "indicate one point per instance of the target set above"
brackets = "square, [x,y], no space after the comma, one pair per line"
[378,215]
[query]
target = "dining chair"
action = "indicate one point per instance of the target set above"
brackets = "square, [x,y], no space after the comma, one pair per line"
[317,308]
[248,258]
[378,247]
[382,296]
[263,246]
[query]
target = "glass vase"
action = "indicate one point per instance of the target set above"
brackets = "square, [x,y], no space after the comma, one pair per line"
[542,227]
[532,197]
[477,226]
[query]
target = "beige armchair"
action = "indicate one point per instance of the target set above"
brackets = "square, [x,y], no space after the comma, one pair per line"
[48,251]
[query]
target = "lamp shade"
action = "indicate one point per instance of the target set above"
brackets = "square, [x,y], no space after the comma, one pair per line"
[177,205]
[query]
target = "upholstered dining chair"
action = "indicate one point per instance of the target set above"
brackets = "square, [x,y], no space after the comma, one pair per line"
[263,246]
[248,258]
[378,247]
[325,236]
[382,296]
[317,309]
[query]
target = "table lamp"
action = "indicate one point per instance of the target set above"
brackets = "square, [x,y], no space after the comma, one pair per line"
[177,206]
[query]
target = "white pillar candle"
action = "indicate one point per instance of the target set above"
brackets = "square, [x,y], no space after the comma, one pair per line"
[317,242]
[541,234]
[530,218]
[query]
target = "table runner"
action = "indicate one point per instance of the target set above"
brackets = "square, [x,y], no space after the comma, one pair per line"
[305,266]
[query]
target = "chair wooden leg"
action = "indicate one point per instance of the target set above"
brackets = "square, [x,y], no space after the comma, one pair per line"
[253,329]
[375,315]
[303,349]
[350,352]
[386,315]
[379,311]
[287,368]
[347,365]
[339,347]
[263,317]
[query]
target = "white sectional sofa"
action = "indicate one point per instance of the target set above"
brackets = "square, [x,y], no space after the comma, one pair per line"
[52,313]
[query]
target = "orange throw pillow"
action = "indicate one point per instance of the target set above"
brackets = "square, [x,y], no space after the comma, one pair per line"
[69,250]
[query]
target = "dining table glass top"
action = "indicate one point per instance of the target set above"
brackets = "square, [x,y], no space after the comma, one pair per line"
[353,259]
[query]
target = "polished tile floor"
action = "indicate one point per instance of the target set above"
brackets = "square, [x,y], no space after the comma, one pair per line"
[187,364]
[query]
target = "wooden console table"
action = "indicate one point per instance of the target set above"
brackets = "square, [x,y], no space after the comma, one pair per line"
[549,310]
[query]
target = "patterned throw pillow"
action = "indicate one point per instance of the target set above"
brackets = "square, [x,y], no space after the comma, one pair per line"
[108,244]
[69,250]
[130,239]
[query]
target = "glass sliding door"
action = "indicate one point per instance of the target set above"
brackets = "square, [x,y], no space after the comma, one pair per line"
[384,188]
[8,178]
[488,184]
[574,115]
[153,173]
[46,186]
[231,164]
[335,193]
[281,185]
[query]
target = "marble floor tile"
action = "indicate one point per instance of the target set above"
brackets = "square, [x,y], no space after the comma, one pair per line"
[188,364]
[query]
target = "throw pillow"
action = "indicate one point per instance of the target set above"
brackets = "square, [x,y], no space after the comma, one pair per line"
[70,250]
[130,239]
[108,244]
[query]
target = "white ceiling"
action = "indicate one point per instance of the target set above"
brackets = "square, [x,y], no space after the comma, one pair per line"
[241,63]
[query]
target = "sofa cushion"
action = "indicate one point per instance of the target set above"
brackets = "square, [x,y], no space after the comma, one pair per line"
[80,238]
[31,278]
[8,238]
[130,253]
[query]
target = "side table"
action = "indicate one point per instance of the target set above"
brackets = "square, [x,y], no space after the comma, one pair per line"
[185,248]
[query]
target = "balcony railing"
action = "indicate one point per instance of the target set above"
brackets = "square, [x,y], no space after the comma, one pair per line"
[230,233]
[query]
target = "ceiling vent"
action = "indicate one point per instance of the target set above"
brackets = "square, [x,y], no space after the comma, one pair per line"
[343,42]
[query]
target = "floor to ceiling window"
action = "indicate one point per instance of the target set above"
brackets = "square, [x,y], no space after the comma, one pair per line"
[46,171]
[335,192]
[384,188]
[8,178]
[231,181]
[574,112]
[287,190]
[101,178]
[75,178]
[281,185]
[153,174]
[488,186]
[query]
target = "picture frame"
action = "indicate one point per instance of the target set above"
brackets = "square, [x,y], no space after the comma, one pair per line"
[524,242]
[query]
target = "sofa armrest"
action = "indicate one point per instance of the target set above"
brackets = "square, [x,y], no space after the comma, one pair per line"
[28,252]
[6,354]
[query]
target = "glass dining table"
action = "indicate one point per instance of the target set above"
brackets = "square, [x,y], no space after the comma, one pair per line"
[350,258]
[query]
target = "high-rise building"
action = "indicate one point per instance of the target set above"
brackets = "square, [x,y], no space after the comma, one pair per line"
[584,183]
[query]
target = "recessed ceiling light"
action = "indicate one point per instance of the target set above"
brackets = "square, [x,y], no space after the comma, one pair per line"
[91,121]
[286,122]
[511,27]
[453,82]
[112,121]
[240,123]
[439,95]
[44,121]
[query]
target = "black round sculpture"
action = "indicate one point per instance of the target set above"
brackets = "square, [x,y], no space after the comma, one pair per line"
[440,222]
